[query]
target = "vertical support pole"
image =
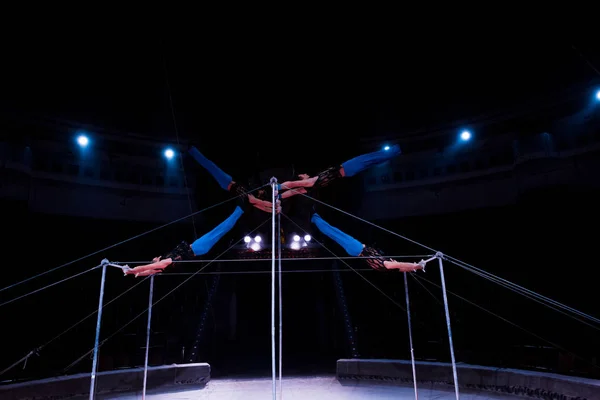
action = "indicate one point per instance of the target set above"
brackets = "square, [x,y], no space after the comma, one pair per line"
[412,351]
[273,244]
[98,324]
[280,309]
[148,336]
[440,256]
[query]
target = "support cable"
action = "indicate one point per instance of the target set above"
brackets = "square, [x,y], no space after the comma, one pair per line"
[127,240]
[469,267]
[353,269]
[510,322]
[155,303]
[38,349]
[48,286]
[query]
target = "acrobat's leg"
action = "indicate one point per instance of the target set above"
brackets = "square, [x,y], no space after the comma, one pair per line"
[223,179]
[227,183]
[184,251]
[206,242]
[366,161]
[352,246]
[355,248]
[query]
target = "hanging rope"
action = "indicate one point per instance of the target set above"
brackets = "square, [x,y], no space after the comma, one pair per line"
[172,107]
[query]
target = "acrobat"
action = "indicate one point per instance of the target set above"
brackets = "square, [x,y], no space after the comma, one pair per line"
[347,169]
[185,251]
[374,258]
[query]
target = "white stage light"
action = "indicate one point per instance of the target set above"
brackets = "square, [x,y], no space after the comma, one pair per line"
[255,246]
[465,135]
[295,246]
[169,153]
[598,95]
[258,239]
[307,238]
[247,239]
[386,148]
[296,238]
[82,140]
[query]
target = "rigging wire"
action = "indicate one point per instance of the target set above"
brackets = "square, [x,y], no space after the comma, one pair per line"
[456,261]
[283,259]
[509,322]
[126,240]
[48,286]
[295,271]
[39,348]
[533,298]
[524,291]
[348,265]
[158,301]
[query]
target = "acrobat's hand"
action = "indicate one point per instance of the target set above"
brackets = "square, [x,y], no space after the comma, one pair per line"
[402,266]
[304,176]
[264,205]
[155,267]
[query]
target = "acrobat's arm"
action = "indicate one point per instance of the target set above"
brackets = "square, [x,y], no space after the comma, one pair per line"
[185,252]
[356,249]
[346,169]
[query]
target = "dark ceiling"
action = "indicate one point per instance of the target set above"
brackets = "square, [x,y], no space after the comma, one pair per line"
[297,96]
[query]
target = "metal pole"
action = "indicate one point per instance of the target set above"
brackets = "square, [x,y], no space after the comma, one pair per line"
[98,324]
[148,336]
[410,338]
[273,240]
[280,310]
[439,257]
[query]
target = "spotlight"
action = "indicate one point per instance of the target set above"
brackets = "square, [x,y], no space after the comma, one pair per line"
[296,238]
[295,245]
[307,238]
[255,246]
[169,154]
[465,135]
[598,95]
[386,148]
[82,140]
[258,239]
[247,239]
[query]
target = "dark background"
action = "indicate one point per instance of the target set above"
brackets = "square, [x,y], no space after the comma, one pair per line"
[303,105]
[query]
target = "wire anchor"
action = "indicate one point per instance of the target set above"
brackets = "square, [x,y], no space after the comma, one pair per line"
[24,359]
[437,256]
[123,268]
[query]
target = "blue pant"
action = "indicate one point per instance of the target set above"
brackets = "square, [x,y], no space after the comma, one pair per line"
[221,177]
[352,246]
[206,242]
[361,163]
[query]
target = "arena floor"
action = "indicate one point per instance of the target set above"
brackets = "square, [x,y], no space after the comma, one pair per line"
[313,388]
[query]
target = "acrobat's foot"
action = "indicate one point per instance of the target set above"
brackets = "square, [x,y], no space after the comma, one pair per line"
[150,269]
